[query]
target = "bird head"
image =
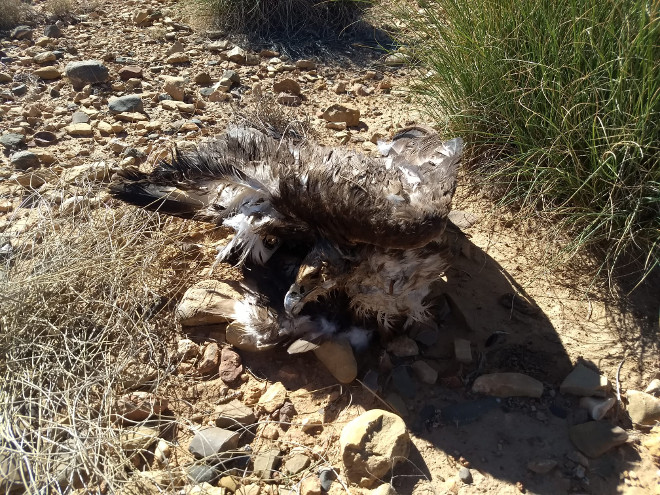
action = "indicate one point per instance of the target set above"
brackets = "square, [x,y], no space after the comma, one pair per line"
[321,272]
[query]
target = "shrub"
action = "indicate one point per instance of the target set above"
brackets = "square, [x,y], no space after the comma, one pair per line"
[286,18]
[560,103]
[14,13]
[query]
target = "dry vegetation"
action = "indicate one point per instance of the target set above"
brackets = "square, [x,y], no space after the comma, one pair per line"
[81,316]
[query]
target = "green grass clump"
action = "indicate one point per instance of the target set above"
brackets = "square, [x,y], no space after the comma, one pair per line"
[267,19]
[560,102]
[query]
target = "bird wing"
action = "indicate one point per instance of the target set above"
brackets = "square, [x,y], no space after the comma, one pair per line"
[397,201]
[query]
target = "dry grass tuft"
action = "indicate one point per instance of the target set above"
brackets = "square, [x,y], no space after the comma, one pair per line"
[14,13]
[81,299]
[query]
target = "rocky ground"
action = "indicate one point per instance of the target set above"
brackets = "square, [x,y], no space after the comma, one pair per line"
[535,382]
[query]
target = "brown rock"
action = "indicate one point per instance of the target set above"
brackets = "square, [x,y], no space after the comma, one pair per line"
[44,58]
[287,86]
[508,385]
[372,444]
[340,112]
[643,408]
[289,100]
[230,366]
[203,78]
[138,406]
[403,347]
[311,485]
[273,398]
[47,73]
[234,415]
[178,58]
[79,130]
[337,356]
[596,437]
[130,72]
[210,359]
[175,87]
[208,302]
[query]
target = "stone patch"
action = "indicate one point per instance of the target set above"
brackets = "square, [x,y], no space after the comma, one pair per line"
[86,72]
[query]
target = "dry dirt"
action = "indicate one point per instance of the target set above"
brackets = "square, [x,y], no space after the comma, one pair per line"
[565,316]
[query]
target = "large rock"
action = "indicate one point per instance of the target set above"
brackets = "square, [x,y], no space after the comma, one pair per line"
[24,160]
[585,382]
[273,399]
[340,112]
[22,33]
[596,437]
[12,140]
[508,385]
[128,103]
[210,359]
[643,408]
[207,303]
[337,356]
[53,31]
[372,444]
[86,72]
[287,86]
[47,73]
[212,441]
[265,462]
[175,87]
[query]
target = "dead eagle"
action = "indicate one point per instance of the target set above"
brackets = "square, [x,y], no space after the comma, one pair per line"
[364,231]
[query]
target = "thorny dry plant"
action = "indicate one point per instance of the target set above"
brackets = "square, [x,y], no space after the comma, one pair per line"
[81,294]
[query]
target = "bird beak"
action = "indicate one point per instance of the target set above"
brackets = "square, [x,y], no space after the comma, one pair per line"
[292,301]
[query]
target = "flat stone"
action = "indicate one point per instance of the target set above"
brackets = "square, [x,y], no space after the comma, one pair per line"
[403,346]
[424,372]
[585,382]
[210,359]
[178,58]
[541,466]
[47,73]
[508,385]
[338,358]
[237,55]
[383,436]
[86,72]
[24,160]
[208,302]
[273,398]
[230,369]
[12,140]
[79,118]
[266,462]
[79,130]
[212,442]
[234,415]
[463,350]
[5,78]
[186,349]
[596,437]
[305,64]
[44,58]
[202,473]
[296,464]
[131,117]
[340,112]
[139,405]
[178,105]
[396,59]
[127,103]
[19,89]
[643,408]
[130,72]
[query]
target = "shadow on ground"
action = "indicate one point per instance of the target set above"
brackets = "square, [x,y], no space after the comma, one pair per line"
[508,332]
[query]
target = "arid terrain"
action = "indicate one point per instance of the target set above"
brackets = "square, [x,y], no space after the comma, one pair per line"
[512,297]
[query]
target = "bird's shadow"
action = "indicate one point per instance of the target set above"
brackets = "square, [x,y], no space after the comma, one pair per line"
[451,426]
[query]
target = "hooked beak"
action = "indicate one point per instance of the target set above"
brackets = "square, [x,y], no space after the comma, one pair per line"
[293,302]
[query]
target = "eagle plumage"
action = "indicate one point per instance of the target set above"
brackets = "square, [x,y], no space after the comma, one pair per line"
[369,229]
